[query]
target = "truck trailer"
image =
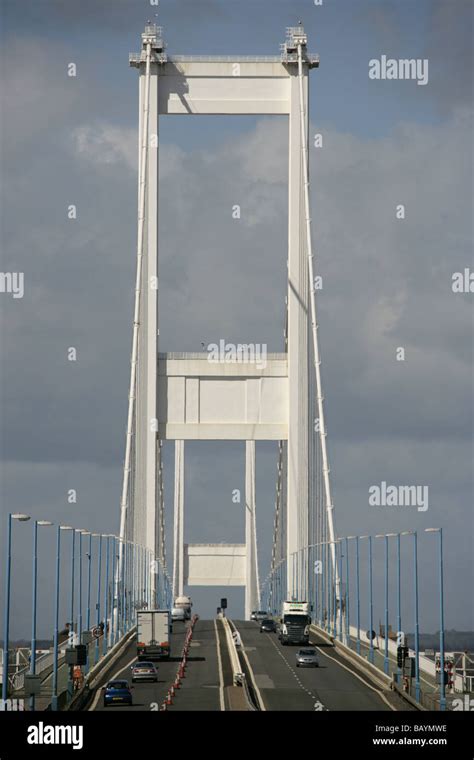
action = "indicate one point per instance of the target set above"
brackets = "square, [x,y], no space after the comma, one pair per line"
[153,634]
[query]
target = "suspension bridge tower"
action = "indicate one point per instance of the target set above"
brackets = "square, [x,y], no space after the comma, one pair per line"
[182,397]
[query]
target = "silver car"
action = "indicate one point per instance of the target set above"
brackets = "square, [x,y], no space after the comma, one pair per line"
[307,658]
[144,671]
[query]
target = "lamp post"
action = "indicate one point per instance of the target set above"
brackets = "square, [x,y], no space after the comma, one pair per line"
[114,607]
[54,696]
[73,558]
[88,608]
[399,600]
[371,600]
[6,624]
[99,575]
[417,628]
[348,627]
[79,619]
[324,603]
[339,541]
[106,596]
[37,523]
[386,662]
[417,625]
[70,685]
[371,604]
[350,538]
[442,694]
[334,589]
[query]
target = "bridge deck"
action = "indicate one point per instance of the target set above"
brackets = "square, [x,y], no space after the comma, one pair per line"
[200,688]
[283,686]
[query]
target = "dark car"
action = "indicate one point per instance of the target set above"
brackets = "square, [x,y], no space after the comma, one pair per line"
[117,693]
[267,626]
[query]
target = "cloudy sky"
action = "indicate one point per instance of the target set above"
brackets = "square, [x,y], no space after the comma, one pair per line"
[387,283]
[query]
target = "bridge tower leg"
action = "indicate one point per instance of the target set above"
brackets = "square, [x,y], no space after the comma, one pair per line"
[297,534]
[145,493]
[252,591]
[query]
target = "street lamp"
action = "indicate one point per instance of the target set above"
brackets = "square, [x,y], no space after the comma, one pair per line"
[105,639]
[54,696]
[442,696]
[40,523]
[79,618]
[6,626]
[99,575]
[339,541]
[371,602]
[417,627]
[112,617]
[71,636]
[349,538]
[386,536]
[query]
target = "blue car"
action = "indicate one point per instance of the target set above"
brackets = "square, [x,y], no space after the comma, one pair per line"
[117,693]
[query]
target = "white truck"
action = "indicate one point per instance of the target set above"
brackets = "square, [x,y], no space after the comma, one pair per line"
[294,623]
[153,634]
[184,603]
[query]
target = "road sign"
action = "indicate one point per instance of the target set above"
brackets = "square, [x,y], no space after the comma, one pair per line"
[371,635]
[96,632]
[32,684]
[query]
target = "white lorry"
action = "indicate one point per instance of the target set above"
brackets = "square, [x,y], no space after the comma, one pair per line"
[184,603]
[153,634]
[294,623]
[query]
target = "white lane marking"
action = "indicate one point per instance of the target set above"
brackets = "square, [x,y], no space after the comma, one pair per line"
[310,693]
[377,691]
[116,675]
[221,675]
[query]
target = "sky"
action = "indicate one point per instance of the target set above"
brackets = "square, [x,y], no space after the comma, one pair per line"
[387,282]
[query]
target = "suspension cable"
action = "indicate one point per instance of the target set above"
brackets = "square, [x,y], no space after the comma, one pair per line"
[136,316]
[314,326]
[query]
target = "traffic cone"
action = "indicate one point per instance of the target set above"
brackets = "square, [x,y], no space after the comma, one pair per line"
[168,700]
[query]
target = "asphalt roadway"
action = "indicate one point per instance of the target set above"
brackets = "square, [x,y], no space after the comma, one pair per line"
[334,685]
[200,687]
